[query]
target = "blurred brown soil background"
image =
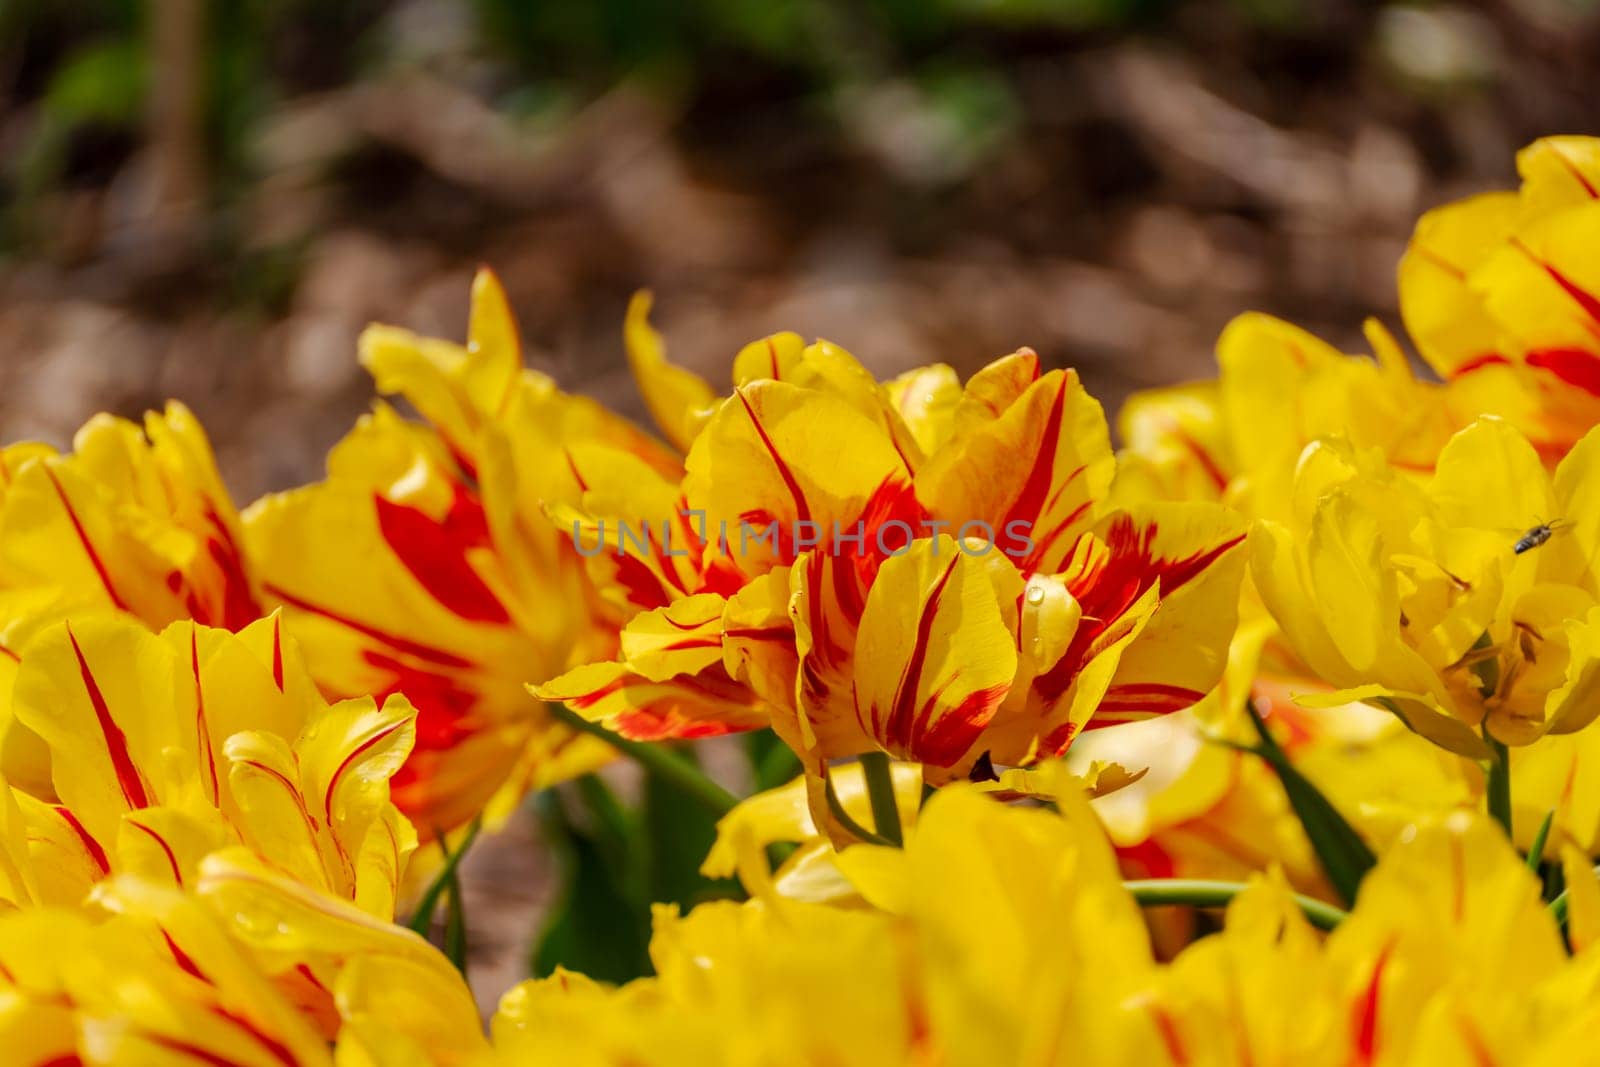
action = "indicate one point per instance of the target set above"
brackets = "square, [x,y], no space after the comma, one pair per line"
[209,201]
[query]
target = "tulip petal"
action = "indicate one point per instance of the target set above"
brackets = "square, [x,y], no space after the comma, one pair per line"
[933,659]
[679,400]
[1443,311]
[1035,508]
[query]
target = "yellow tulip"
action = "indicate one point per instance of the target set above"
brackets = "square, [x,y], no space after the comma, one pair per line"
[1430,600]
[1499,291]
[873,569]
[134,520]
[159,982]
[1002,934]
[999,935]
[198,765]
[163,748]
[424,564]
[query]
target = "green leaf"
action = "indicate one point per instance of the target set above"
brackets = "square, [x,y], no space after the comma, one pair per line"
[1202,893]
[1345,857]
[772,763]
[597,925]
[678,831]
[617,835]
[1540,836]
[455,927]
[102,82]
[1497,782]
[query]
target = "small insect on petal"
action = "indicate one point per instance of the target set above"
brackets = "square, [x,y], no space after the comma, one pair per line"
[1536,536]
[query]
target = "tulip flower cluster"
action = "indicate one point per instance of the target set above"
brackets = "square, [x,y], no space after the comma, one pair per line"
[1267,739]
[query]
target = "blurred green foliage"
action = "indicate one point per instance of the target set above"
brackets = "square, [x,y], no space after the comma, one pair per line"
[76,79]
[82,72]
[599,39]
[615,861]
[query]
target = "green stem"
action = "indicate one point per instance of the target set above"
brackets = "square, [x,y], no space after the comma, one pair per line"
[1497,791]
[1536,852]
[880,791]
[422,918]
[855,829]
[1200,893]
[455,928]
[655,759]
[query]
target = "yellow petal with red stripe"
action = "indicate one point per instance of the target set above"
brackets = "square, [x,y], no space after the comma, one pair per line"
[638,708]
[991,392]
[1543,286]
[1447,906]
[377,969]
[118,713]
[1197,557]
[457,389]
[758,638]
[1444,315]
[933,658]
[1176,445]
[770,455]
[682,638]
[186,991]
[318,808]
[164,846]
[1034,474]
[1559,172]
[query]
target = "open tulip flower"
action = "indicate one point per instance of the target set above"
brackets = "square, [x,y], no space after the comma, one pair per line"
[162,748]
[424,565]
[1435,601]
[1503,289]
[134,519]
[915,568]
[201,765]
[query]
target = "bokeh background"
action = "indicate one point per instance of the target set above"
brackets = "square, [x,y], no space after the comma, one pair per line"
[208,199]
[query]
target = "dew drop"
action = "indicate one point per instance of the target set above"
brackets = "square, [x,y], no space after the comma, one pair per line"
[1036,594]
